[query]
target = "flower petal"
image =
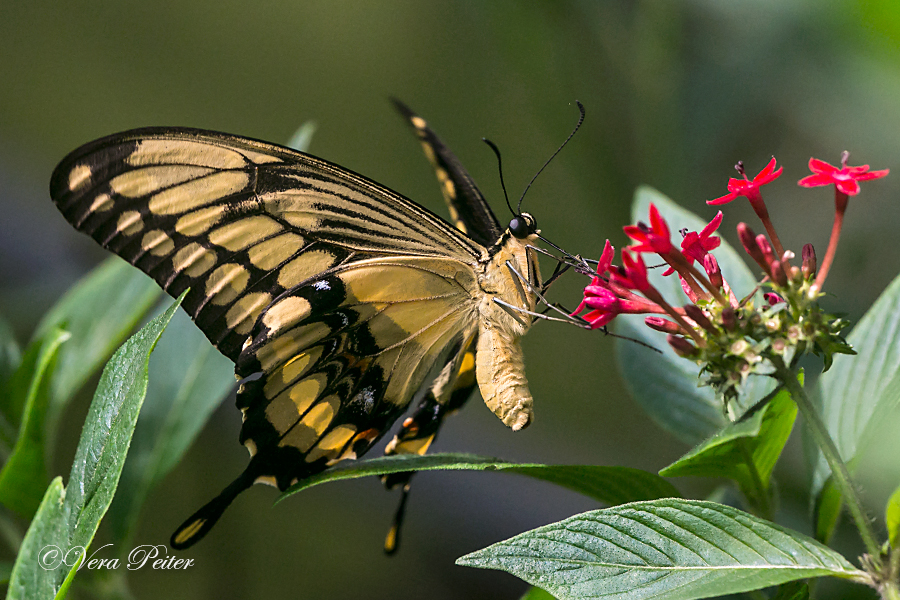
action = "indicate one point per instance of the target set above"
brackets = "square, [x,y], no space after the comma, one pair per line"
[769,178]
[766,175]
[820,166]
[816,180]
[872,175]
[712,226]
[606,258]
[847,186]
[722,199]
[711,243]
[657,223]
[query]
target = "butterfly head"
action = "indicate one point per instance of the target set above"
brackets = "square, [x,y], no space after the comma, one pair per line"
[522,225]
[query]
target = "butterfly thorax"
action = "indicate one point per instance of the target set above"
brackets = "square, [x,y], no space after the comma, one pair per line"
[499,360]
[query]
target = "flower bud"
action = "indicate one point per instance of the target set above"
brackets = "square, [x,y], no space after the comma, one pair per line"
[766,248]
[772,298]
[776,272]
[681,346]
[748,240]
[663,325]
[711,265]
[696,314]
[729,319]
[809,261]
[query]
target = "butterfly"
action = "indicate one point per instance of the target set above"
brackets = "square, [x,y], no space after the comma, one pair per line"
[339,300]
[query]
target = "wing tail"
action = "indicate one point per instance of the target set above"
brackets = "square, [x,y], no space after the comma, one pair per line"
[198,524]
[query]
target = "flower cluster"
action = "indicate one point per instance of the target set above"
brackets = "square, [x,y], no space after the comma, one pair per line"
[730,338]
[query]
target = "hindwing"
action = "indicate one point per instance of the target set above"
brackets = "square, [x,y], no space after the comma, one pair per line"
[344,354]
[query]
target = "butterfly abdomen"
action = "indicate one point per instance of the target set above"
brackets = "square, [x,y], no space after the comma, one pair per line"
[499,362]
[500,370]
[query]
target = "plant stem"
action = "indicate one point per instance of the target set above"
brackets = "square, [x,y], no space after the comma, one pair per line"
[890,591]
[839,470]
[761,500]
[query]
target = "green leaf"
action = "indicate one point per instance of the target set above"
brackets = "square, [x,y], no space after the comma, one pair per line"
[858,392]
[24,476]
[611,485]
[666,385]
[33,575]
[70,577]
[745,451]
[668,549]
[892,518]
[537,593]
[829,505]
[795,590]
[68,518]
[5,571]
[108,429]
[99,312]
[10,400]
[10,353]
[19,384]
[189,379]
[302,138]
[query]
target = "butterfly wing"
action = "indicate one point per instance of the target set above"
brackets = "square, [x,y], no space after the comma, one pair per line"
[469,211]
[333,294]
[472,215]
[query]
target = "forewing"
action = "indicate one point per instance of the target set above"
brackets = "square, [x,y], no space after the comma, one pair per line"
[469,211]
[238,221]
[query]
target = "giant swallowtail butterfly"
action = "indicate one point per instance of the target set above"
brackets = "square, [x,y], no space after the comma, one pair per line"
[336,298]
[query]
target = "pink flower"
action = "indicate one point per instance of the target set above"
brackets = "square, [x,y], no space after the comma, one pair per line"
[747,188]
[772,298]
[845,179]
[633,273]
[650,239]
[695,246]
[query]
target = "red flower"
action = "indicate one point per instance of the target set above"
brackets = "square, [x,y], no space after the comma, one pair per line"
[695,246]
[845,178]
[633,273]
[747,188]
[650,239]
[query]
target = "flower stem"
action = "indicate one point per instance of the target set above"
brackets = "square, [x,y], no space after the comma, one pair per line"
[670,310]
[839,470]
[840,206]
[759,207]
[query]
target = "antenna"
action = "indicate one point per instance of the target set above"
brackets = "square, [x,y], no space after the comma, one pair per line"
[580,121]
[500,168]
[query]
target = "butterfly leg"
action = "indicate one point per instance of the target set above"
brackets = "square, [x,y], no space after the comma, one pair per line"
[557,272]
[447,394]
[519,280]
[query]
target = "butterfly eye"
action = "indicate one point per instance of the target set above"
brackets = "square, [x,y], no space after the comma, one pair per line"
[522,226]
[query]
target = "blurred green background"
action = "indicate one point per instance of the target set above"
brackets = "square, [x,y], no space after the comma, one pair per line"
[675,92]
